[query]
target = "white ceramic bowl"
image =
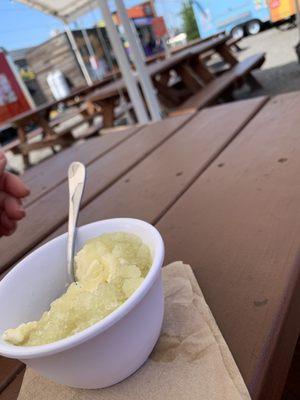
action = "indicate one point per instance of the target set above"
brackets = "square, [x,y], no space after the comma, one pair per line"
[104,353]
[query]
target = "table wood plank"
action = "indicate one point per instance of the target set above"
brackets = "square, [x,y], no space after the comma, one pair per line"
[45,215]
[53,171]
[150,188]
[238,227]
[11,392]
[173,166]
[9,368]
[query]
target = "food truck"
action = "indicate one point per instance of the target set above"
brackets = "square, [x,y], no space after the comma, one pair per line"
[281,9]
[239,17]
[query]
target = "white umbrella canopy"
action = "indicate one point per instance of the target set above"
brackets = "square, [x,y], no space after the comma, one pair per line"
[66,10]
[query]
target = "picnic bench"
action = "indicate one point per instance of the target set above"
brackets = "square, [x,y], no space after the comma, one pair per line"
[40,118]
[218,87]
[108,96]
[221,185]
[231,43]
[199,86]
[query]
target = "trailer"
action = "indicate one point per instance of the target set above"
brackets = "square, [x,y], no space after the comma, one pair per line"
[235,17]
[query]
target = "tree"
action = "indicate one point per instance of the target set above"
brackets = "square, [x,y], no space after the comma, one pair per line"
[189,21]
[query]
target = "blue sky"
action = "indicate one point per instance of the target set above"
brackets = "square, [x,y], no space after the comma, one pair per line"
[21,26]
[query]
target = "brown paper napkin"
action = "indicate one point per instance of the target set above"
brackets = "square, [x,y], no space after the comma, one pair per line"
[191,360]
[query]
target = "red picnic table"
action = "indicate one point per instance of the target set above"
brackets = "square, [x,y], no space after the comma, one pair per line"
[222,187]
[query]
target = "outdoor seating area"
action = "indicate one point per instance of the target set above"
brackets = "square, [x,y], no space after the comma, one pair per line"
[196,87]
[149,239]
[207,167]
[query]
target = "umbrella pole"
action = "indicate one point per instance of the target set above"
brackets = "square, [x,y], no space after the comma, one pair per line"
[143,74]
[297,47]
[297,7]
[90,48]
[124,65]
[78,55]
[105,48]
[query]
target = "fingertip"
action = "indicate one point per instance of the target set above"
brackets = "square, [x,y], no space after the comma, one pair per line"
[7,223]
[19,214]
[22,213]
[2,163]
[7,232]
[12,230]
[15,186]
[13,208]
[26,191]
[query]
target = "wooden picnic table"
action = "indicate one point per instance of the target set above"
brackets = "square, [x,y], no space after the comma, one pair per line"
[231,42]
[108,96]
[222,187]
[190,68]
[40,118]
[185,61]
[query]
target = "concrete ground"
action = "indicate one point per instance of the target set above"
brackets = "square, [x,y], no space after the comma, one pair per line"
[281,70]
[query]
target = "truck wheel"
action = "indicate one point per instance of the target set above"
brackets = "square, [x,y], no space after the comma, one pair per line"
[237,32]
[253,27]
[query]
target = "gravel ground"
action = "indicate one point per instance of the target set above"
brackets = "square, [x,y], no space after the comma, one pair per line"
[281,71]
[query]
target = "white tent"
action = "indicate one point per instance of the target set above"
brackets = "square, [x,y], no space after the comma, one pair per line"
[69,10]
[66,10]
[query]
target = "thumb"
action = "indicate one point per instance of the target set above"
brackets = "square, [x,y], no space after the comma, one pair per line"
[2,163]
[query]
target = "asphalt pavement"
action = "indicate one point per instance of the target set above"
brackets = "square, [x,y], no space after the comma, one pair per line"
[281,70]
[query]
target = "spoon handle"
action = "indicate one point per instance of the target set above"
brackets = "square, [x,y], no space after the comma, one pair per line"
[76,177]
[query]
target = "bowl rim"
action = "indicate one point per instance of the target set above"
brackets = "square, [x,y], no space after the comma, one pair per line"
[28,352]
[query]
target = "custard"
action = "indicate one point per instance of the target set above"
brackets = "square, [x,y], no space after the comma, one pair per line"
[108,268]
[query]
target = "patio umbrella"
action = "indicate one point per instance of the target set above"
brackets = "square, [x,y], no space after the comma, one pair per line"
[297,8]
[69,10]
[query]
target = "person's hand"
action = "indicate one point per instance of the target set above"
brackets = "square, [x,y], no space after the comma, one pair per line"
[12,190]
